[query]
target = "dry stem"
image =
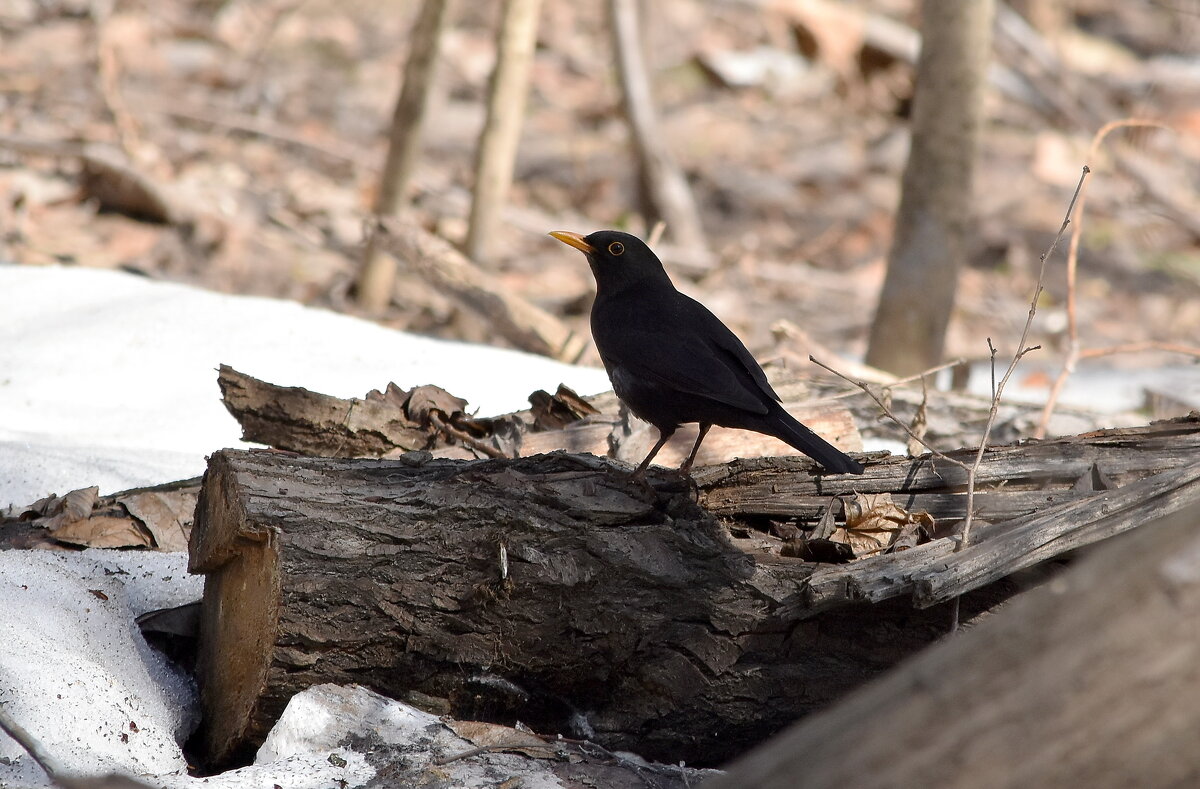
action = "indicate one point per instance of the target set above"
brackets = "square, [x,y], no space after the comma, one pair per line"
[1074,352]
[964,535]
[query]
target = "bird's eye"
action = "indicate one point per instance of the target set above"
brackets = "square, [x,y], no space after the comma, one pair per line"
[616,248]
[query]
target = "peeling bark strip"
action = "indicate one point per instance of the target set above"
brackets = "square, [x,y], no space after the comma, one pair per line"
[428,417]
[551,590]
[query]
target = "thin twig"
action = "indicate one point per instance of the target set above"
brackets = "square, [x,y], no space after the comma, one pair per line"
[444,760]
[1074,353]
[1141,347]
[30,743]
[892,384]
[1022,349]
[992,357]
[887,411]
[465,437]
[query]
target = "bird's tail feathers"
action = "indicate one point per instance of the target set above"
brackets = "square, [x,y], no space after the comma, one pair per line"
[789,429]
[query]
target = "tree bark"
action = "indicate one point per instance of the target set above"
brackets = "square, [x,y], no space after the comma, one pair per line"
[378,276]
[931,238]
[502,129]
[1092,680]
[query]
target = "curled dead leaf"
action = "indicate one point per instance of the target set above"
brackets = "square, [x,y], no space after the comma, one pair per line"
[423,401]
[167,515]
[105,531]
[57,512]
[556,411]
[876,524]
[495,737]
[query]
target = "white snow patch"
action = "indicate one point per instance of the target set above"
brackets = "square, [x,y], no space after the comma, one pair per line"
[109,379]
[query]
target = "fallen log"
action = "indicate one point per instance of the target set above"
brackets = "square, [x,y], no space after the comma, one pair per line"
[545,589]
[551,590]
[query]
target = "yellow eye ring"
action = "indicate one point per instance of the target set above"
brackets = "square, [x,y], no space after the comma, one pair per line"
[616,248]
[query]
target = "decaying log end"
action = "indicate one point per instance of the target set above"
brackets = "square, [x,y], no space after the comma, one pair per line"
[240,612]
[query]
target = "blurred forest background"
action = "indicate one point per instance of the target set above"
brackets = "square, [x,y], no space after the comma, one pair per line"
[238,146]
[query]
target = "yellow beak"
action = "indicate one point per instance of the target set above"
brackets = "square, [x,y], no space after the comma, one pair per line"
[574,240]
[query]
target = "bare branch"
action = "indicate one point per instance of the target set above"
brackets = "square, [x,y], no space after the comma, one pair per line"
[1073,350]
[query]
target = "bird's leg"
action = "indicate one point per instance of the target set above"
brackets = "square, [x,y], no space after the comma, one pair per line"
[663,437]
[687,464]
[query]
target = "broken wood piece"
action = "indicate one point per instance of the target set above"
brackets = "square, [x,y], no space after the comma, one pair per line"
[1012,480]
[1091,680]
[297,420]
[1026,541]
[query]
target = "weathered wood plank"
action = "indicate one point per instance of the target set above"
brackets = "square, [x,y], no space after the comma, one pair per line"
[1026,541]
[1092,680]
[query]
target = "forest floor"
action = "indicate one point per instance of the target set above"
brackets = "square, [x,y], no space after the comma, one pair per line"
[262,126]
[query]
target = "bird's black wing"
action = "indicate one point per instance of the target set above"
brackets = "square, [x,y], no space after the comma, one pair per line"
[719,334]
[688,349]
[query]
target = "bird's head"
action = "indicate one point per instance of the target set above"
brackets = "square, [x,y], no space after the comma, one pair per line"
[618,259]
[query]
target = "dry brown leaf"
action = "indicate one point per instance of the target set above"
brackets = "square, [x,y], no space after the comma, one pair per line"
[167,515]
[424,400]
[875,523]
[553,412]
[105,531]
[75,506]
[392,395]
[495,736]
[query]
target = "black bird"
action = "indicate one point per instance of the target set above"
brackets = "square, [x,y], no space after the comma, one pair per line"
[672,361]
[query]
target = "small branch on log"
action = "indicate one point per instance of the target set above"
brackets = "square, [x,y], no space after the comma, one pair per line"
[297,420]
[1073,350]
[1021,350]
[997,388]
[1056,530]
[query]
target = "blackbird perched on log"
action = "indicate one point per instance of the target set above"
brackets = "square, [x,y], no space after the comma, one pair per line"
[672,361]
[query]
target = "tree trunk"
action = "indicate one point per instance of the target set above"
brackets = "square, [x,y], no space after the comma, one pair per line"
[662,182]
[502,130]
[1092,680]
[931,236]
[378,277]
